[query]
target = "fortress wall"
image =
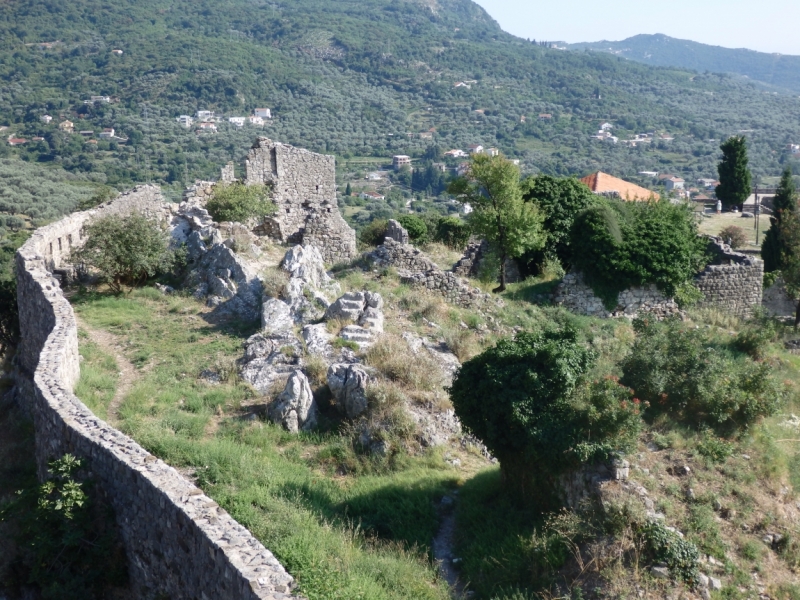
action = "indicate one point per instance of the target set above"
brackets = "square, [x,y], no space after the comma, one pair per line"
[179,542]
[734,283]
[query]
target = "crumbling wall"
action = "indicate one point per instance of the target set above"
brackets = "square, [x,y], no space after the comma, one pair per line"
[733,283]
[304,190]
[179,543]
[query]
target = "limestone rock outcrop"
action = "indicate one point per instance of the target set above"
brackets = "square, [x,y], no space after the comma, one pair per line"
[348,385]
[364,310]
[310,288]
[270,359]
[276,317]
[294,408]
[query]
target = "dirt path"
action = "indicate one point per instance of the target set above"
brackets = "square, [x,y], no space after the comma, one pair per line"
[443,549]
[127,372]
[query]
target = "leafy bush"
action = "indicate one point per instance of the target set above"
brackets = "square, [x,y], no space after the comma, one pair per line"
[69,546]
[452,232]
[682,372]
[528,401]
[240,203]
[755,337]
[125,250]
[663,545]
[734,236]
[561,200]
[417,230]
[620,244]
[374,233]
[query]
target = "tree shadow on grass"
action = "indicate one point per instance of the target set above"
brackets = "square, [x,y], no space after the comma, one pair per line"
[395,512]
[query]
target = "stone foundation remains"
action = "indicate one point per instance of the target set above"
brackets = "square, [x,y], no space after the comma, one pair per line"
[304,190]
[733,283]
[179,542]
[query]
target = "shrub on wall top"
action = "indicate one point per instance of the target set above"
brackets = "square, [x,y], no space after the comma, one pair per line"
[621,244]
[240,203]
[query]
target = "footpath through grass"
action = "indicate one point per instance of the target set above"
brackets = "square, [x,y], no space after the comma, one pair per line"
[361,533]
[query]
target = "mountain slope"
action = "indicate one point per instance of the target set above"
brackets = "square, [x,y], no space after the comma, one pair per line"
[354,79]
[778,70]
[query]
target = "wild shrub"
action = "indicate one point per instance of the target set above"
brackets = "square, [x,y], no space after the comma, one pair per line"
[754,338]
[527,399]
[126,250]
[240,203]
[417,230]
[452,232]
[374,233]
[663,545]
[618,245]
[681,371]
[734,236]
[69,546]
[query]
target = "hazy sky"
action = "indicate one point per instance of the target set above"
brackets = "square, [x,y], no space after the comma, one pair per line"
[764,25]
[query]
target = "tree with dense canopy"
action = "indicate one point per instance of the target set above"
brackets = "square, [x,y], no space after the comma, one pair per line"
[125,250]
[785,202]
[512,226]
[560,199]
[734,176]
[529,401]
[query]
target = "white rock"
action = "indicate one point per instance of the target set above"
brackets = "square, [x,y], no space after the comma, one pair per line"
[348,385]
[276,317]
[295,408]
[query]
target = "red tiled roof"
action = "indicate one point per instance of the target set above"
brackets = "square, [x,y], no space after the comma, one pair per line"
[603,182]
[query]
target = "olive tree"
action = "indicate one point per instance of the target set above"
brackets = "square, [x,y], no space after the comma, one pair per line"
[512,226]
[529,400]
[125,250]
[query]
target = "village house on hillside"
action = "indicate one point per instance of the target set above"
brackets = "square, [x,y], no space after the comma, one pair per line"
[185,121]
[456,154]
[371,196]
[400,160]
[607,185]
[264,113]
[475,149]
[674,183]
[67,126]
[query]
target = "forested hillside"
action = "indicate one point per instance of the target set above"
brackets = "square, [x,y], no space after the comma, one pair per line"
[775,70]
[354,79]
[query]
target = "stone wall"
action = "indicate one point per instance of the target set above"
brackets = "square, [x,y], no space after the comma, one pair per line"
[574,294]
[304,190]
[179,542]
[417,269]
[475,253]
[733,282]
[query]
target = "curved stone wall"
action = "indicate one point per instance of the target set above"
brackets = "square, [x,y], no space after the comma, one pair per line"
[179,542]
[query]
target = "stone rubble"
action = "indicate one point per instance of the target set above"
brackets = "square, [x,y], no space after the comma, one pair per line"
[396,232]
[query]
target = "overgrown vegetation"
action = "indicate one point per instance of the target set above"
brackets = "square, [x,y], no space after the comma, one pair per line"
[68,544]
[617,245]
[125,250]
[240,203]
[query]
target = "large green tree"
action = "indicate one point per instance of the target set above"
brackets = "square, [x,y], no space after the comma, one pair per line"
[785,202]
[734,176]
[529,400]
[560,199]
[789,242]
[512,226]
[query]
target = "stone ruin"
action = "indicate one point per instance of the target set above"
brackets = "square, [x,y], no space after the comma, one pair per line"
[303,187]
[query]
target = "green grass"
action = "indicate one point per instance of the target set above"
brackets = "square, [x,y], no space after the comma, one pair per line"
[344,525]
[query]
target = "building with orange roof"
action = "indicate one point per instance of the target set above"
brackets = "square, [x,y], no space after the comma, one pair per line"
[608,185]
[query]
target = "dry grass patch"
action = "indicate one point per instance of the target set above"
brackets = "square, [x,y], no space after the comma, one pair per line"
[274,280]
[393,358]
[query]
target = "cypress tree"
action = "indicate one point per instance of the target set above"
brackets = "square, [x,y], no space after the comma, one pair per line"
[348,191]
[772,250]
[734,178]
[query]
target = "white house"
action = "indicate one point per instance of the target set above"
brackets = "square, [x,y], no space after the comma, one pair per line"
[461,84]
[236,121]
[102,99]
[476,149]
[264,113]
[204,115]
[107,133]
[462,169]
[794,148]
[185,121]
[493,152]
[207,127]
[606,127]
[374,176]
[253,120]
[371,196]
[456,154]
[674,183]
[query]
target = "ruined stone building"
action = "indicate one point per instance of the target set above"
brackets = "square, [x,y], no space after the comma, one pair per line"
[304,190]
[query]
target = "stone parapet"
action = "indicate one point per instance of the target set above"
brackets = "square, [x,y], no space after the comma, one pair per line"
[179,543]
[733,283]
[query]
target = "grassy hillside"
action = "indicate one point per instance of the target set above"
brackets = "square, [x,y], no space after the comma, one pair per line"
[776,70]
[354,79]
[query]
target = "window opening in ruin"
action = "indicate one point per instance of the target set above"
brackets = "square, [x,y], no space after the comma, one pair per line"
[59,244]
[50,251]
[69,240]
